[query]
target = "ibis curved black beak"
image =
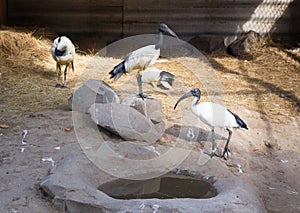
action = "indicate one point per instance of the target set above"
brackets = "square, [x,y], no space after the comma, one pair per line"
[172,33]
[189,94]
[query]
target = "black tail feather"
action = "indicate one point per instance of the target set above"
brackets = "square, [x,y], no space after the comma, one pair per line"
[118,71]
[239,121]
[168,77]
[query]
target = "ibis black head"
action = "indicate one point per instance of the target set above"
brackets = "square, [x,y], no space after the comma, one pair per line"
[194,92]
[164,28]
[59,52]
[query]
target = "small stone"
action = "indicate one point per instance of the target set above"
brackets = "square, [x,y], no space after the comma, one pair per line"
[282,95]
[68,129]
[4,126]
[268,144]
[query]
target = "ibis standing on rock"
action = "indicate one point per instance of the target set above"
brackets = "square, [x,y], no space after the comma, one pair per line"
[156,77]
[141,59]
[214,115]
[63,52]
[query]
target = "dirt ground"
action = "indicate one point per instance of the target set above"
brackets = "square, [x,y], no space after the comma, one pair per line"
[266,95]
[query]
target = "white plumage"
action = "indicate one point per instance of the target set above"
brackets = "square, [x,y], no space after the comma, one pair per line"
[156,76]
[63,52]
[141,58]
[214,115]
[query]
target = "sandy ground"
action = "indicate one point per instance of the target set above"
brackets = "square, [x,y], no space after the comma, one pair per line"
[267,155]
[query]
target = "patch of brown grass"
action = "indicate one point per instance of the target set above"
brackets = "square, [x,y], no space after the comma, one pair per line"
[268,83]
[28,72]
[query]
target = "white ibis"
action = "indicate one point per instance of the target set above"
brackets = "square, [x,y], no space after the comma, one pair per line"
[63,52]
[214,115]
[156,76]
[141,58]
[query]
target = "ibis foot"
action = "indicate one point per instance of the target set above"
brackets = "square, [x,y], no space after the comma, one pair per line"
[143,96]
[212,154]
[60,86]
[226,151]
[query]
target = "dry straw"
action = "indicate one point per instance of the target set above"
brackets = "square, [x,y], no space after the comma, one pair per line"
[267,80]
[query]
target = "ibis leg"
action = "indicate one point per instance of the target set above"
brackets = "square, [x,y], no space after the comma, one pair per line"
[141,94]
[58,70]
[214,145]
[226,149]
[65,77]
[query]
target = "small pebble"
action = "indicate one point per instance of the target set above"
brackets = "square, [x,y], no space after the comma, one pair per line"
[4,126]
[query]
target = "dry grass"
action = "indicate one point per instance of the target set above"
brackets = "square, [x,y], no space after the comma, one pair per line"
[28,72]
[268,83]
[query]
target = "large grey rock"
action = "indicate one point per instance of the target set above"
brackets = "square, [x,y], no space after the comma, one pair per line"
[74,182]
[127,122]
[241,46]
[93,91]
[150,108]
[208,43]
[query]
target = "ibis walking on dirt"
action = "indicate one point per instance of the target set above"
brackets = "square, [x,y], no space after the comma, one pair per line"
[63,52]
[214,115]
[141,59]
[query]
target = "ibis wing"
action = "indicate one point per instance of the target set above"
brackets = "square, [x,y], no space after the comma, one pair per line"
[239,121]
[142,57]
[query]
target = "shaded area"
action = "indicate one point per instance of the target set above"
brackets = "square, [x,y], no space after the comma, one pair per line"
[268,83]
[191,133]
[165,187]
[28,75]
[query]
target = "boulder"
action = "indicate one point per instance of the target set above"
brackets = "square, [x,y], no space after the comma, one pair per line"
[241,46]
[150,108]
[126,122]
[93,91]
[208,43]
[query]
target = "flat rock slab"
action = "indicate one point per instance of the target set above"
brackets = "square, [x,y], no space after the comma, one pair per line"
[73,185]
[93,91]
[126,122]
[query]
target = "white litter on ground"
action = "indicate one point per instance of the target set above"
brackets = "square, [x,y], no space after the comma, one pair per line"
[49,159]
[24,134]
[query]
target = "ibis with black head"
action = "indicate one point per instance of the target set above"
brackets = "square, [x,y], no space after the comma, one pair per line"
[141,59]
[63,52]
[214,115]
